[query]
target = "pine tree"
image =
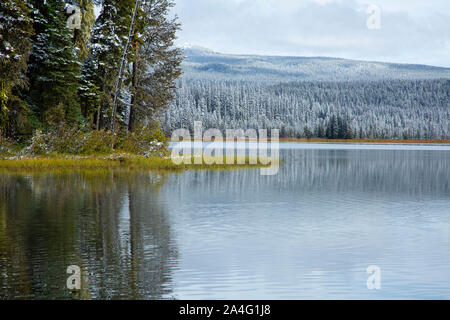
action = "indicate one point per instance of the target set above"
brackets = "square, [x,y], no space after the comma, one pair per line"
[107,42]
[54,69]
[89,91]
[335,127]
[15,32]
[155,63]
[307,132]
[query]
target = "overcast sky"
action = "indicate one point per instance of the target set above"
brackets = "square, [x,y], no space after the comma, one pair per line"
[412,31]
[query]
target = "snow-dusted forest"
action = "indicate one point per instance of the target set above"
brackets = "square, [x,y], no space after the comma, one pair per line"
[64,67]
[371,104]
[402,109]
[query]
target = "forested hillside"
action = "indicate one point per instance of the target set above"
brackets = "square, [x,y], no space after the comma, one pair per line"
[59,66]
[202,63]
[390,109]
[325,98]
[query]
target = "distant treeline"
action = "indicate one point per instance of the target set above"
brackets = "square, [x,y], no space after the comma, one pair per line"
[388,109]
[54,75]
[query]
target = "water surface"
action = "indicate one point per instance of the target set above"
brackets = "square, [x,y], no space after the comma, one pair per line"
[309,232]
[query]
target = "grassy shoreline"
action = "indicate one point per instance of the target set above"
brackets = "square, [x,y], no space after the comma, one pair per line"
[129,162]
[15,163]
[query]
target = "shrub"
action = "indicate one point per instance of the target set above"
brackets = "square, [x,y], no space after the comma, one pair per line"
[96,142]
[145,141]
[5,147]
[38,144]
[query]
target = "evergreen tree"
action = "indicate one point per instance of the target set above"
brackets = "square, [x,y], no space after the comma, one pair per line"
[107,43]
[333,128]
[386,110]
[307,132]
[15,32]
[155,63]
[54,69]
[89,91]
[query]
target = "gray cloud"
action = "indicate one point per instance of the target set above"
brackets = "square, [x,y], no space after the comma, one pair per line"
[411,31]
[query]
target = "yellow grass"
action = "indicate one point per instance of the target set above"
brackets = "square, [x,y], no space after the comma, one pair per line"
[123,162]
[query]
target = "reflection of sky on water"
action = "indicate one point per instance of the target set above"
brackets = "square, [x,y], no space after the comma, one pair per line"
[309,232]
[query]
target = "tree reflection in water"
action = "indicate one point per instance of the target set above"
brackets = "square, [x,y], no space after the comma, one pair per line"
[111,224]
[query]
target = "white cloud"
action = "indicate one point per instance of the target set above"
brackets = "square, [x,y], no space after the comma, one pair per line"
[411,31]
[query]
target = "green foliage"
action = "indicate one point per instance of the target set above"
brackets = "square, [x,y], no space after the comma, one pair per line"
[38,145]
[156,63]
[308,133]
[58,84]
[66,140]
[101,68]
[6,147]
[15,32]
[147,141]
[339,128]
[95,142]
[54,70]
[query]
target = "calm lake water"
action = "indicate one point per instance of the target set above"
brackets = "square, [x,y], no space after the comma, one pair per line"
[309,232]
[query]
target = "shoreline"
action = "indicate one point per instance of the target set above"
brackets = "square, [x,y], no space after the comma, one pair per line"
[331,141]
[114,162]
[124,161]
[365,141]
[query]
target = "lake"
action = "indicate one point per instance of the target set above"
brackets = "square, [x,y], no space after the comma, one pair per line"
[309,232]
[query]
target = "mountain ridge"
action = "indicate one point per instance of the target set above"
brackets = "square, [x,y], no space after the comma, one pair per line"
[201,63]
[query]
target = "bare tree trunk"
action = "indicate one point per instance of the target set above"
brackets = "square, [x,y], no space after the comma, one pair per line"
[122,66]
[97,124]
[99,109]
[133,106]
